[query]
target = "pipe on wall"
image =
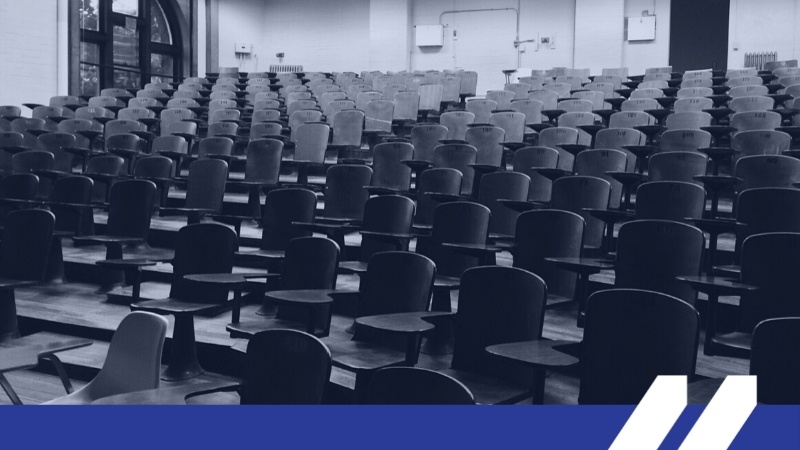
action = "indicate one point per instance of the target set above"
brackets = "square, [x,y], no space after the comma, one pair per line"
[516,11]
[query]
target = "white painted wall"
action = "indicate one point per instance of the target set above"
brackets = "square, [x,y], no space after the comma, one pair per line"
[548,18]
[390,35]
[242,21]
[758,26]
[599,34]
[484,41]
[29,51]
[329,35]
[638,56]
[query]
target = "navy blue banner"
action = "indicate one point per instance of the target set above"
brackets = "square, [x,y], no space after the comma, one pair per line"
[396,427]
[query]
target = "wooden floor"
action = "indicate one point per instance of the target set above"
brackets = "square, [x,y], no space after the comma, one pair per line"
[74,308]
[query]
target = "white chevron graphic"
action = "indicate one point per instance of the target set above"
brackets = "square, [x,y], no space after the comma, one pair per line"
[724,416]
[655,415]
[664,403]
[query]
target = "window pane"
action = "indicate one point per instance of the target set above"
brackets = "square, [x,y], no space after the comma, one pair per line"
[90,53]
[90,14]
[159,26]
[129,7]
[90,80]
[160,79]
[161,64]
[126,44]
[127,80]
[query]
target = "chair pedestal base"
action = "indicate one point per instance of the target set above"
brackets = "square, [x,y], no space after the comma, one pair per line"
[110,278]
[55,263]
[9,328]
[183,363]
[439,341]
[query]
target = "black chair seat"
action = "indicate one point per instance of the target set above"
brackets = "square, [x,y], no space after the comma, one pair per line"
[251,328]
[357,267]
[10,283]
[517,205]
[365,356]
[102,239]
[490,390]
[327,227]
[728,270]
[181,211]
[50,174]
[737,344]
[445,282]
[263,254]
[173,306]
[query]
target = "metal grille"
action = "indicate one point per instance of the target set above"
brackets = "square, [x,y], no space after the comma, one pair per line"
[285,68]
[758,59]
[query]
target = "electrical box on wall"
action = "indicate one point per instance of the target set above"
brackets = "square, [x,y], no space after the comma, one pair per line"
[243,48]
[641,28]
[429,35]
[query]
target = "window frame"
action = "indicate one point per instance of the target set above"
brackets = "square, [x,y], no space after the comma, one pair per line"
[104,38]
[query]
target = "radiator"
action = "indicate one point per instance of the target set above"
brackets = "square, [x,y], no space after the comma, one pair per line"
[758,59]
[282,68]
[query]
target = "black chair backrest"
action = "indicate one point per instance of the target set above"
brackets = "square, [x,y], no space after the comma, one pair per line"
[496,305]
[443,181]
[281,208]
[263,160]
[19,186]
[503,185]
[130,207]
[576,193]
[153,166]
[767,171]
[459,157]
[105,164]
[595,163]
[386,214]
[25,246]
[55,143]
[32,160]
[424,138]
[670,200]
[388,170]
[72,189]
[202,248]
[76,189]
[285,367]
[528,158]
[206,185]
[416,386]
[630,337]
[310,263]
[768,260]
[766,210]
[345,193]
[651,253]
[775,360]
[677,166]
[396,282]
[549,233]
[459,223]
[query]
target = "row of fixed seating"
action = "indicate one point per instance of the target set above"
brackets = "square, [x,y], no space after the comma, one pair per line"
[452,256]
